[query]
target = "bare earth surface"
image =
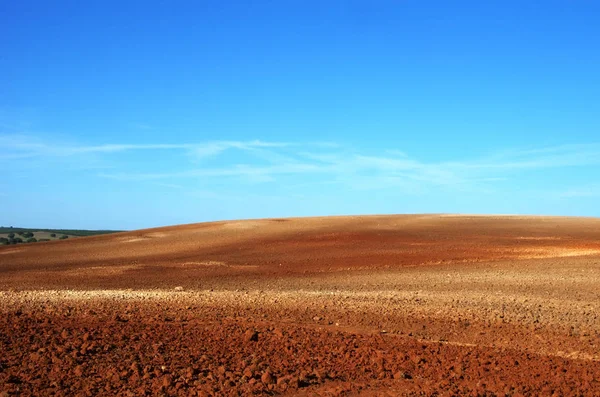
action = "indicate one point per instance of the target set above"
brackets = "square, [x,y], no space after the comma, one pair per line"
[340,306]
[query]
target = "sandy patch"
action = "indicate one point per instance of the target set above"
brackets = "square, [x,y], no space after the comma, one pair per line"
[204,263]
[157,235]
[132,240]
[539,238]
[555,252]
[101,270]
[11,251]
[242,225]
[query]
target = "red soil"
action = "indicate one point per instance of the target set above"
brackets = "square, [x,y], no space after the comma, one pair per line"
[380,305]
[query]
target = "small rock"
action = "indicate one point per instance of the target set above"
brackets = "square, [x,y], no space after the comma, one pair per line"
[167,380]
[317,318]
[267,378]
[402,375]
[249,372]
[179,288]
[78,371]
[190,372]
[283,380]
[251,336]
[321,374]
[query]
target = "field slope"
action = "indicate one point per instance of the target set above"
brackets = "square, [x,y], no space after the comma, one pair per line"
[365,305]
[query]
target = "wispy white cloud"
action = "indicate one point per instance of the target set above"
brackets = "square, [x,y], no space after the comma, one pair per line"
[389,168]
[217,147]
[16,156]
[343,167]
[21,146]
[570,155]
[326,163]
[170,185]
[238,170]
[592,190]
[141,126]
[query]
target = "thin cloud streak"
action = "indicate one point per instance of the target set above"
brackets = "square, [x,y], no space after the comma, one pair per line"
[20,145]
[334,163]
[570,155]
[588,191]
[239,170]
[342,164]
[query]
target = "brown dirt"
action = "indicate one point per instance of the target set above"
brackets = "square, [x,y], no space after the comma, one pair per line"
[367,306]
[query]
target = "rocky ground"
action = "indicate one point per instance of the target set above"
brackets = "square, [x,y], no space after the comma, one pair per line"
[348,306]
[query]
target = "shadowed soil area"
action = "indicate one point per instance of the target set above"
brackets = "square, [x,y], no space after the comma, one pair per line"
[364,305]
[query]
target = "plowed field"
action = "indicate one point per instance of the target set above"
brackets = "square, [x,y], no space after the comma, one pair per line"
[335,306]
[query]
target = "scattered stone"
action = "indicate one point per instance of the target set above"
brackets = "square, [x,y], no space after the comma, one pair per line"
[249,372]
[284,380]
[167,380]
[402,375]
[251,336]
[78,371]
[267,378]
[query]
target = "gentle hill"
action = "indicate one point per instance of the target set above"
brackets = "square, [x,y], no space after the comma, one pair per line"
[191,254]
[371,305]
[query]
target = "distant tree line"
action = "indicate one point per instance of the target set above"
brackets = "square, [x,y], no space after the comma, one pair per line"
[26,237]
[17,235]
[12,239]
[70,232]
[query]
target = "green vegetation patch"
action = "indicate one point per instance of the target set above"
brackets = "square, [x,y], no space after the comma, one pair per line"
[70,232]
[18,235]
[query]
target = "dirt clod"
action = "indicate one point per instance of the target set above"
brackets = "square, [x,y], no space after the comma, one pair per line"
[251,336]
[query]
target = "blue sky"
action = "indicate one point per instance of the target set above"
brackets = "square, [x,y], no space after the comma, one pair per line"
[128,115]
